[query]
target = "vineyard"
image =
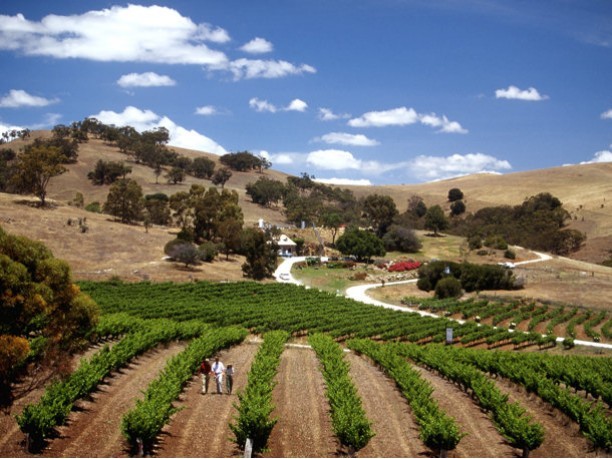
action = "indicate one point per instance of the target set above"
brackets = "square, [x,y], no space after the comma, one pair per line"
[401,392]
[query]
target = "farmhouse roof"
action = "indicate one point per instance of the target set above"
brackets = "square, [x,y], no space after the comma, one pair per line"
[284,240]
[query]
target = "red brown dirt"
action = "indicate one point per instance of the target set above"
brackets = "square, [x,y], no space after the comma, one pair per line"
[201,428]
[304,426]
[562,437]
[397,434]
[482,439]
[29,390]
[94,428]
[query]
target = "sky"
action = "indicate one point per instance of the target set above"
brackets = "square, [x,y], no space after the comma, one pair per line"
[366,92]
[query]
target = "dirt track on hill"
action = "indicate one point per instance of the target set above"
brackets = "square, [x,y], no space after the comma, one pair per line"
[201,428]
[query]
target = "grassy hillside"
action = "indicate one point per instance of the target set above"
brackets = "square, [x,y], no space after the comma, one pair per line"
[110,248]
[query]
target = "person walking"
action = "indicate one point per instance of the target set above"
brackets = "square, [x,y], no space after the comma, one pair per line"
[205,371]
[218,369]
[229,378]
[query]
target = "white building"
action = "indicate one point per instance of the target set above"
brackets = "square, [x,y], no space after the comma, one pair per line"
[286,247]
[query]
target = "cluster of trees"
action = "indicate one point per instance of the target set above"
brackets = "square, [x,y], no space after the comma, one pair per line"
[539,223]
[448,278]
[245,161]
[41,311]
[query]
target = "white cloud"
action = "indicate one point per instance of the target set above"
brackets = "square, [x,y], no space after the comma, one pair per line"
[403,116]
[133,33]
[296,105]
[260,105]
[343,138]
[607,115]
[513,92]
[147,79]
[256,68]
[440,167]
[9,127]
[206,110]
[344,181]
[395,117]
[325,114]
[604,156]
[144,120]
[282,158]
[333,160]
[257,46]
[20,98]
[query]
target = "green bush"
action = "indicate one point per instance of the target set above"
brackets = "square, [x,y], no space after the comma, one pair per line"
[93,207]
[510,254]
[449,287]
[208,251]
[475,242]
[496,242]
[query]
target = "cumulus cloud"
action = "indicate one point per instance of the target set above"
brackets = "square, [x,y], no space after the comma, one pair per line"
[257,68]
[9,127]
[206,110]
[136,33]
[607,115]
[343,138]
[395,117]
[145,80]
[326,114]
[133,33]
[515,93]
[442,167]
[344,181]
[145,120]
[333,160]
[260,105]
[284,159]
[19,98]
[604,156]
[296,105]
[404,116]
[257,46]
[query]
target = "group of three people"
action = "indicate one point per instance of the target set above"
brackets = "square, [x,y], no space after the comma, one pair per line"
[219,371]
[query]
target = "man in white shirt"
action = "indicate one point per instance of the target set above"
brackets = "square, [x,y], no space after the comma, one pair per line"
[218,369]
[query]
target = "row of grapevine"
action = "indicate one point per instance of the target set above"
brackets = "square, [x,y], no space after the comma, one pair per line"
[142,424]
[255,407]
[39,420]
[279,306]
[512,421]
[516,312]
[592,418]
[349,420]
[437,430]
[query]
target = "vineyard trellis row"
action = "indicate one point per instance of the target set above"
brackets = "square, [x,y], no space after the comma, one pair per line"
[39,420]
[142,424]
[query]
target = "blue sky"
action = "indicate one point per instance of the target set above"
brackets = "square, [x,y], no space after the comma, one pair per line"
[360,91]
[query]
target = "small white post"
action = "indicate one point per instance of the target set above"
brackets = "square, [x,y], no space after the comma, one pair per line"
[248,448]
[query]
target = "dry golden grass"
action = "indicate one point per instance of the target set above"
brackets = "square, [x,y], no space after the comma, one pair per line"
[113,249]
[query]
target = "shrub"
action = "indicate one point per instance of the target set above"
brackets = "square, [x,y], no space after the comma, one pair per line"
[93,207]
[496,242]
[475,242]
[568,343]
[404,266]
[208,251]
[510,254]
[449,287]
[401,239]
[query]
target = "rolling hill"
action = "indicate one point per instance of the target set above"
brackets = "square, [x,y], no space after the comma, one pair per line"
[110,248]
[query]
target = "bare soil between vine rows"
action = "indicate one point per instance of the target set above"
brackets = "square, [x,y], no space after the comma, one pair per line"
[200,428]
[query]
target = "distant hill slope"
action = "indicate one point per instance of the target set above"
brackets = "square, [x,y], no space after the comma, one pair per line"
[585,190]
